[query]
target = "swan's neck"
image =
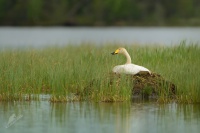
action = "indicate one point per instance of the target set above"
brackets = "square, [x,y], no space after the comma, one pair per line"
[128,58]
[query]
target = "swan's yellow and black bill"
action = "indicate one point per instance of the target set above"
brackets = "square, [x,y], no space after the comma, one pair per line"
[116,52]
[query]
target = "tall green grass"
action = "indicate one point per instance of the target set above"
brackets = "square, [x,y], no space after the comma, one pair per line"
[77,73]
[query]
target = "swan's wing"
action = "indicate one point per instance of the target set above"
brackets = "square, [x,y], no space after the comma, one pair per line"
[141,68]
[125,69]
[118,69]
[129,69]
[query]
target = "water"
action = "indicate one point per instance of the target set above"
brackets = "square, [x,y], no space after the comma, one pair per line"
[45,36]
[86,117]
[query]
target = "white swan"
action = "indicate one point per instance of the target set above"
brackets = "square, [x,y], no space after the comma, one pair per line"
[127,68]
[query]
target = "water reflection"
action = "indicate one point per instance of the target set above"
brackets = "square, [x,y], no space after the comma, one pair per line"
[88,117]
[84,117]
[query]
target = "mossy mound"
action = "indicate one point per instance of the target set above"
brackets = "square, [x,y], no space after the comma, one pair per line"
[147,85]
[142,85]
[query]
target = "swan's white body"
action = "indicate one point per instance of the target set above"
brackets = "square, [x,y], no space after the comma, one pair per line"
[127,68]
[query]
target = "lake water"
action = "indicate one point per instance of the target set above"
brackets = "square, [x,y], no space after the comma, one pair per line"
[86,117]
[45,36]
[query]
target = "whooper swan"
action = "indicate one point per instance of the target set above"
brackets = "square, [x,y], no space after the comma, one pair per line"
[127,68]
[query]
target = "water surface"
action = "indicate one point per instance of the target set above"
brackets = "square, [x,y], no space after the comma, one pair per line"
[45,36]
[86,117]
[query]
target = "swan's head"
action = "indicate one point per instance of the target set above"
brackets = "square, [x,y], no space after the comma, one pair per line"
[119,51]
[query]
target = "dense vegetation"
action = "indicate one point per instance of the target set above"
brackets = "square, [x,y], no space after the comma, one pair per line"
[67,73]
[100,12]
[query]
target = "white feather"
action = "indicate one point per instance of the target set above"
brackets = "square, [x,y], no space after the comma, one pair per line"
[129,69]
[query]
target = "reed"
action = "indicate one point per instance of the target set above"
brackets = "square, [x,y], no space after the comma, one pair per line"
[81,73]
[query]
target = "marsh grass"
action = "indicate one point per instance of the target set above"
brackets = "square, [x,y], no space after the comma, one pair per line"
[81,73]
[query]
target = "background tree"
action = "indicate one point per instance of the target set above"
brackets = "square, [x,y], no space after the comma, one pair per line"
[98,12]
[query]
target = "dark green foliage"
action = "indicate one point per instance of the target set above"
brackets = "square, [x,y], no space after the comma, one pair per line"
[99,12]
